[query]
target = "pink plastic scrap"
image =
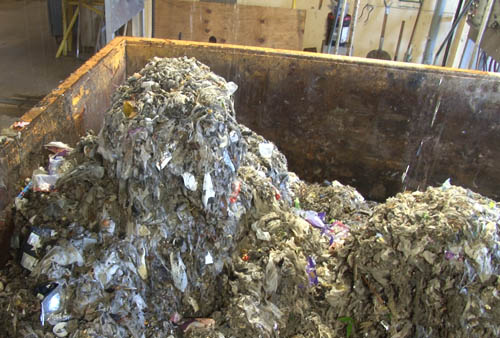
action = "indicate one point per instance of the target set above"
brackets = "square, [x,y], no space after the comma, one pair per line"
[197,323]
[20,124]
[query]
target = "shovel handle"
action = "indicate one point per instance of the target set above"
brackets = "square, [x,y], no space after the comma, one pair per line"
[384,24]
[409,48]
[399,40]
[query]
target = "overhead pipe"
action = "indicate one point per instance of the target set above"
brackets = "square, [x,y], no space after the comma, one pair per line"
[409,49]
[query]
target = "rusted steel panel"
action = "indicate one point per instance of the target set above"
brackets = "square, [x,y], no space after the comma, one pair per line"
[363,122]
[90,96]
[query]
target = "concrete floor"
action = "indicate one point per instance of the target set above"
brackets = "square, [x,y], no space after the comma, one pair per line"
[28,66]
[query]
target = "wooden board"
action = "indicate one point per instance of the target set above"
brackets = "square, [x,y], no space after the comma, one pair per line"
[234,24]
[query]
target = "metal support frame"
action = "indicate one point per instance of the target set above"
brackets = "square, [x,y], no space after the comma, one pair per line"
[482,29]
[67,31]
[116,14]
[65,44]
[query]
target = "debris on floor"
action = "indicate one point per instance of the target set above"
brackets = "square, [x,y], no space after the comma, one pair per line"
[176,221]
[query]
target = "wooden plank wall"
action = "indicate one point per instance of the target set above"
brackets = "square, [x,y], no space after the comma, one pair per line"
[234,24]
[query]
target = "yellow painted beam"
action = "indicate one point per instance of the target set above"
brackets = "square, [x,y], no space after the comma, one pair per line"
[68,31]
[95,10]
[90,6]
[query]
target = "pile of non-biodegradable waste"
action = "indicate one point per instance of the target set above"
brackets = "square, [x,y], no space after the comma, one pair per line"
[425,265]
[178,221]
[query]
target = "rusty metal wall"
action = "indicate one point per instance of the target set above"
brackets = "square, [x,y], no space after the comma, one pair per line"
[380,126]
[367,123]
[77,104]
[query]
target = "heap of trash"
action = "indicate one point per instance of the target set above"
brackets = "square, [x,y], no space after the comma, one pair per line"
[176,221]
[425,265]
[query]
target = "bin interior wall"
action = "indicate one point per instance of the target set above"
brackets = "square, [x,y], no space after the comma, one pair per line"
[78,104]
[367,123]
[380,126]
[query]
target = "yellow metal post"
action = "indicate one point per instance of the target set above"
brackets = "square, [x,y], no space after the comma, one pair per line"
[93,9]
[68,31]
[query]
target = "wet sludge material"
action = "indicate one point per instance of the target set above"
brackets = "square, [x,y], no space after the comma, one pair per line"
[175,221]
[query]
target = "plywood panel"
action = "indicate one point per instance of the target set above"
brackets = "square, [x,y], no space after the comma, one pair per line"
[235,24]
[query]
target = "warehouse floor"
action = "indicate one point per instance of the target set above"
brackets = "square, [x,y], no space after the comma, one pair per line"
[28,66]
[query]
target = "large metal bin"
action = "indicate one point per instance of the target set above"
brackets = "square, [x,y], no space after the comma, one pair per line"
[379,126]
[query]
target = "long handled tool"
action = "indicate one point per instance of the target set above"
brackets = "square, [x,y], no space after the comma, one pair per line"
[409,50]
[399,40]
[380,53]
